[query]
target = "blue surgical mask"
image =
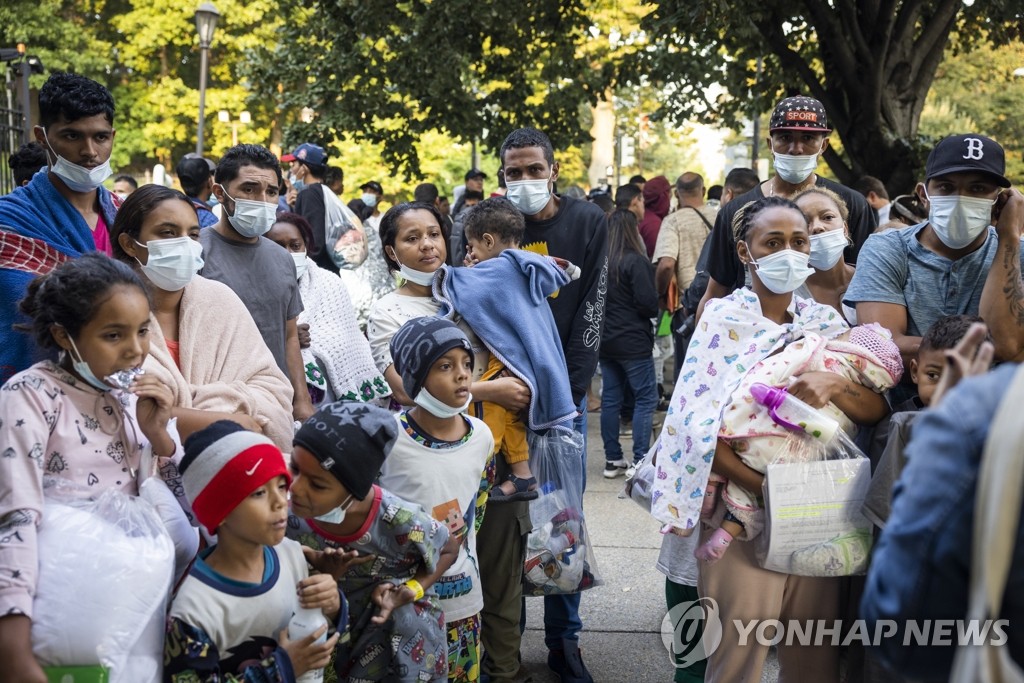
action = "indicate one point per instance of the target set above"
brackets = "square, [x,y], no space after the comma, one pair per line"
[78,178]
[957,220]
[251,218]
[439,408]
[827,248]
[83,369]
[529,196]
[795,169]
[783,271]
[337,515]
[417,276]
[369,199]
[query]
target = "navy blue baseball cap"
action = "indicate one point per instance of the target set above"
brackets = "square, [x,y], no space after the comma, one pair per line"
[967,153]
[309,153]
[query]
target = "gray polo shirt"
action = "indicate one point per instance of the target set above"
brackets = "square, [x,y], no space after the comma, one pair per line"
[895,268]
[263,277]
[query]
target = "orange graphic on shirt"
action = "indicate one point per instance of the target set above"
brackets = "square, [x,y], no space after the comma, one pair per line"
[538,248]
[450,514]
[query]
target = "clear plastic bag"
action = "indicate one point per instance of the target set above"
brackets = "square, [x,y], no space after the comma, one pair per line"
[639,485]
[105,571]
[813,496]
[559,553]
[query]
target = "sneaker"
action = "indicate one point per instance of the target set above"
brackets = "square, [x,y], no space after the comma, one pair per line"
[625,428]
[631,470]
[568,663]
[615,468]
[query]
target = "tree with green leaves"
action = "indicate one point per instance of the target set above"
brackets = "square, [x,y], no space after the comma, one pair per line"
[870,62]
[389,72]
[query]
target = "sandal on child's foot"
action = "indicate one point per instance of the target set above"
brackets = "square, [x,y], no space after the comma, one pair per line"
[525,489]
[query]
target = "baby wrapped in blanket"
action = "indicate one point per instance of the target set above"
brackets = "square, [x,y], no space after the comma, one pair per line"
[865,355]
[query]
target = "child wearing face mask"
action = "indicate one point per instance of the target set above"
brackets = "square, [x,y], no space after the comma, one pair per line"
[439,461]
[89,418]
[386,553]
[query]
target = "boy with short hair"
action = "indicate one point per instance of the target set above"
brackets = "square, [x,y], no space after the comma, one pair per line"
[891,435]
[229,617]
[438,461]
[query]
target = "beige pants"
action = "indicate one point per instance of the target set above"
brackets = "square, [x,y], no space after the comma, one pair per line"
[744,591]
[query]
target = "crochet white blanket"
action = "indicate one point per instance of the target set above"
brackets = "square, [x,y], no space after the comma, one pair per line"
[336,344]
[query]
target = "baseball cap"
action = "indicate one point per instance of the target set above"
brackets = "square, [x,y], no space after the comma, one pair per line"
[959,153]
[309,153]
[372,186]
[475,173]
[799,113]
[193,170]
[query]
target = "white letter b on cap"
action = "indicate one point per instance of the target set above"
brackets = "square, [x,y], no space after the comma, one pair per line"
[975,149]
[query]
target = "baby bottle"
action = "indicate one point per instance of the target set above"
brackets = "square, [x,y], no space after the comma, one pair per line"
[790,412]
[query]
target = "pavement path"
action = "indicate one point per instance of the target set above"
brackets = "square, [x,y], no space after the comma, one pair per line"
[621,640]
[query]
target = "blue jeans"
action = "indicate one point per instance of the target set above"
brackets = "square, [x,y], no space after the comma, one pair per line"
[562,612]
[638,375]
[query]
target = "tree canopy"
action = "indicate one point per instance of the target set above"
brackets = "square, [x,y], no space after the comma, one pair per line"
[870,62]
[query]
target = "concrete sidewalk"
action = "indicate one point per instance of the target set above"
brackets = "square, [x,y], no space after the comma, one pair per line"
[621,641]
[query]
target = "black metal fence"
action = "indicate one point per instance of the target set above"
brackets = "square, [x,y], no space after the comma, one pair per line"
[10,140]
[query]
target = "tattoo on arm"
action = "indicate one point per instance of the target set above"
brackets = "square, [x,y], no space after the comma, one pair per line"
[1012,289]
[851,391]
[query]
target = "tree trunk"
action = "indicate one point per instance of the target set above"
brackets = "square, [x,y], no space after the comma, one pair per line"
[602,153]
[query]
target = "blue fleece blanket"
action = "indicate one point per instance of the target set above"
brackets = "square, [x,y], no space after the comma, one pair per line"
[504,300]
[40,212]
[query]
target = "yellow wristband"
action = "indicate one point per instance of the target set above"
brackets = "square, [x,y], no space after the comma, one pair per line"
[416,588]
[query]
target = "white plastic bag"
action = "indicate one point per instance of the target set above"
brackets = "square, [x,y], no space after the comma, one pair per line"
[559,553]
[105,571]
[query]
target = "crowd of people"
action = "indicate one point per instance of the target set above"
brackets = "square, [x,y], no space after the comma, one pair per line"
[336,404]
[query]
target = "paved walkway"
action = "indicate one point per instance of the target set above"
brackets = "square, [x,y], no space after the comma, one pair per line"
[621,640]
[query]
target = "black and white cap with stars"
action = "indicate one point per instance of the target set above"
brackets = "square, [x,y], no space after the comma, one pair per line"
[350,440]
[799,113]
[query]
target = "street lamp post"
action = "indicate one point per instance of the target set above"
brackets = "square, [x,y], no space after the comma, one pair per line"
[244,118]
[206,22]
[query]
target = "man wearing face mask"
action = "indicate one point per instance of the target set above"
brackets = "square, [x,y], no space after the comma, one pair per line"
[262,274]
[64,211]
[798,136]
[576,230]
[956,262]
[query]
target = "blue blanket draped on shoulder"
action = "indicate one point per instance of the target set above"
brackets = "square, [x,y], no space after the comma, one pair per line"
[504,300]
[731,337]
[55,231]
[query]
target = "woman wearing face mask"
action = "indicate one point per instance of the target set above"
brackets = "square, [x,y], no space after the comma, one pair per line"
[414,246]
[737,335]
[826,215]
[202,326]
[336,357]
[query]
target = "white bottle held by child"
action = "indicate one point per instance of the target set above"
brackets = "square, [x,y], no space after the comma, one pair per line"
[304,622]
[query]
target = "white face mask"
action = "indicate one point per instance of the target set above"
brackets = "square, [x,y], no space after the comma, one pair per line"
[827,248]
[172,263]
[369,199]
[78,178]
[783,271]
[251,218]
[529,196]
[417,276]
[337,515]
[439,408]
[300,263]
[957,220]
[795,169]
